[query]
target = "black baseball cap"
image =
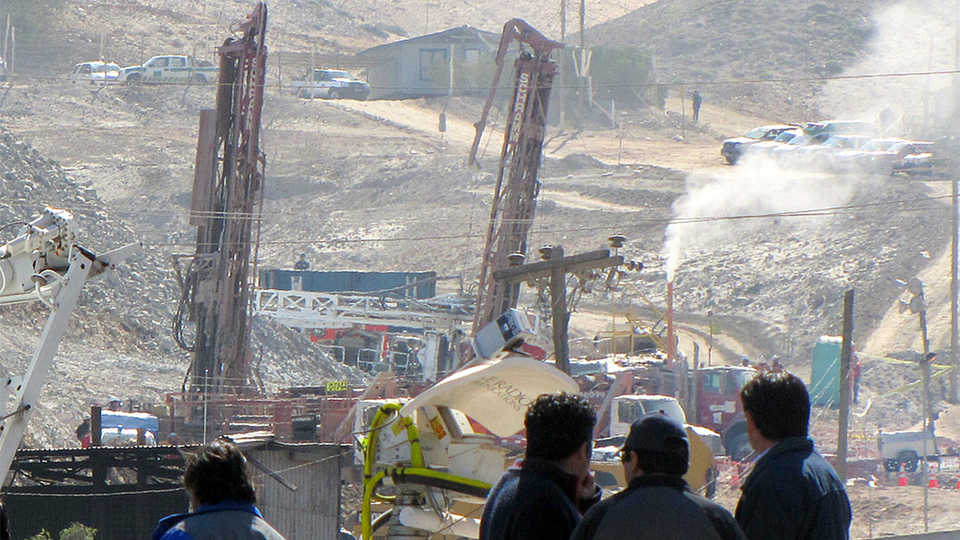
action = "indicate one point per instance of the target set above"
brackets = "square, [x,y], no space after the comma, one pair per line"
[656,433]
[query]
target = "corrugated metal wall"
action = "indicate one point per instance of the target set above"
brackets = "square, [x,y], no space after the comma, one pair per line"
[115,516]
[313,510]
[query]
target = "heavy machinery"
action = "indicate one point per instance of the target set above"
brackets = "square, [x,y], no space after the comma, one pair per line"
[433,322]
[514,201]
[709,396]
[427,450]
[226,208]
[424,457]
[43,264]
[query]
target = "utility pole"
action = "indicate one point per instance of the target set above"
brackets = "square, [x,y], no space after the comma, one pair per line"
[955,287]
[556,266]
[918,305]
[6,39]
[955,251]
[846,352]
[563,20]
[563,92]
[583,64]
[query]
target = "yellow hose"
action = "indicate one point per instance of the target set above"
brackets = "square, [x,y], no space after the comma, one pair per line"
[370,480]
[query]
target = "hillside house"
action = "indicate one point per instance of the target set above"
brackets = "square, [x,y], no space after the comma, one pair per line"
[438,64]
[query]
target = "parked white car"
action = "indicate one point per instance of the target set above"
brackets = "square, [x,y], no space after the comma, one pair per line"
[95,72]
[330,83]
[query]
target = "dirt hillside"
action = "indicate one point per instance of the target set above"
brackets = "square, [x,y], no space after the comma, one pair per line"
[710,44]
[374,186]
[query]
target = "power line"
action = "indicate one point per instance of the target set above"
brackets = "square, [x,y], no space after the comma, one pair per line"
[830,210]
[814,212]
[692,82]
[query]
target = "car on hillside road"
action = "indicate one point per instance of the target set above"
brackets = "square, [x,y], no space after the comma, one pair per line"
[95,72]
[733,149]
[330,84]
[840,127]
[767,149]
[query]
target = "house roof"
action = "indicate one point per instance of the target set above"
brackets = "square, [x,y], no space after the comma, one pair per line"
[451,35]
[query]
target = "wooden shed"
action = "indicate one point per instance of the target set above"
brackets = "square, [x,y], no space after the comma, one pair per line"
[428,65]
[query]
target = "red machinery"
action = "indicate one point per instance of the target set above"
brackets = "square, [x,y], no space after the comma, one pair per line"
[226,207]
[514,204]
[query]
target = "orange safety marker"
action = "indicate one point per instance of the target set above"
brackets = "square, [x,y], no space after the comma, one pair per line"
[934,482]
[902,479]
[958,480]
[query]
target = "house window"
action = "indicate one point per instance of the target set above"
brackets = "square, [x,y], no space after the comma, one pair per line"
[471,56]
[432,61]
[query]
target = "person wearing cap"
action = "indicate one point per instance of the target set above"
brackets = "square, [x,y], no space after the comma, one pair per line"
[657,503]
[792,492]
[543,498]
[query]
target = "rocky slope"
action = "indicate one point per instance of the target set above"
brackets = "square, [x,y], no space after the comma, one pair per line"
[119,340]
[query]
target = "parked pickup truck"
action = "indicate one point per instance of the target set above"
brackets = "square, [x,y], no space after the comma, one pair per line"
[330,83]
[170,69]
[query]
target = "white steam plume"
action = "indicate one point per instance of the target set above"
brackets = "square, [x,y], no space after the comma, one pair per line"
[756,187]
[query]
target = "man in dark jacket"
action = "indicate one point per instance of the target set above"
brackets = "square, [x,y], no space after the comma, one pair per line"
[543,498]
[657,504]
[221,499]
[792,492]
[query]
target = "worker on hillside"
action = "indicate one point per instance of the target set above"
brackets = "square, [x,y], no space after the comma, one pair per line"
[792,492]
[543,498]
[302,263]
[221,499]
[657,502]
[697,101]
[855,373]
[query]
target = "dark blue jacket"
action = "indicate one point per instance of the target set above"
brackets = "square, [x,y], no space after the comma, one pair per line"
[794,494]
[227,519]
[658,507]
[533,502]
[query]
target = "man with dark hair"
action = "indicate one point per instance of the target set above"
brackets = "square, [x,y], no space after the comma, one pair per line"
[221,500]
[657,503]
[543,498]
[792,492]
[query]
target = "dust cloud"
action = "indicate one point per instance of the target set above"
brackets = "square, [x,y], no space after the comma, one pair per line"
[757,193]
[910,36]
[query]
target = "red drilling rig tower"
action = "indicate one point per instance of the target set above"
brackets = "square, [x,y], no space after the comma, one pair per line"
[514,201]
[226,208]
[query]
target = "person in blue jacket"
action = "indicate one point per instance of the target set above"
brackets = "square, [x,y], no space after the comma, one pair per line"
[221,500]
[792,492]
[544,497]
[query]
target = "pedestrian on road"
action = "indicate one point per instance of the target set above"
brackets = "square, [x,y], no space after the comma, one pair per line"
[544,497]
[792,492]
[221,500]
[657,503]
[697,101]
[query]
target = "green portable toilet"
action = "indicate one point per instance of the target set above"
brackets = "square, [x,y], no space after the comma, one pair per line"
[825,378]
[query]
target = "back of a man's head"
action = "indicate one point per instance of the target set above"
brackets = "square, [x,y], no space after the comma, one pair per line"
[218,472]
[660,444]
[557,425]
[779,405]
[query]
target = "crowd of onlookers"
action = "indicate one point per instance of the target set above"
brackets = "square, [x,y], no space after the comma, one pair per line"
[791,492]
